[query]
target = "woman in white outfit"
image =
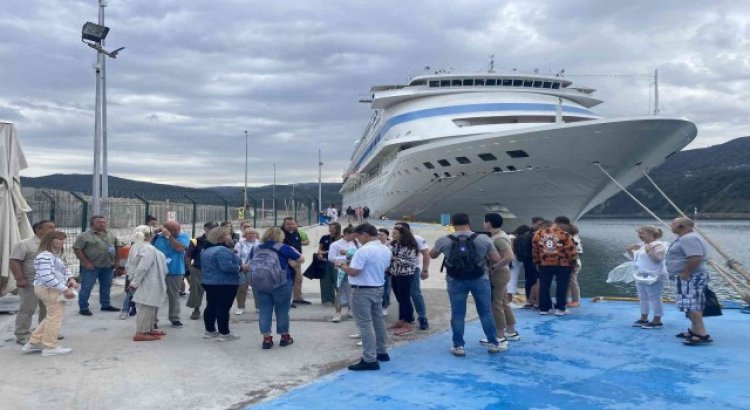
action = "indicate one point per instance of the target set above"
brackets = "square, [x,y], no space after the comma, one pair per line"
[650,274]
[147,271]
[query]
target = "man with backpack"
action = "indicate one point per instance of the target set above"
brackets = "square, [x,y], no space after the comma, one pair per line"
[468,257]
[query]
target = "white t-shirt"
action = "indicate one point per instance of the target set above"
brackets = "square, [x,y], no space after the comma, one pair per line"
[334,250]
[423,246]
[372,259]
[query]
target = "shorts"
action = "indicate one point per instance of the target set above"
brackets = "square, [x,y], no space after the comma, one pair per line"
[690,294]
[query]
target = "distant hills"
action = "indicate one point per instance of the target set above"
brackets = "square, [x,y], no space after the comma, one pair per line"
[715,180]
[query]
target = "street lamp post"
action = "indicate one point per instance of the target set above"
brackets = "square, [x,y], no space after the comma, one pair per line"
[244,202]
[273,196]
[320,182]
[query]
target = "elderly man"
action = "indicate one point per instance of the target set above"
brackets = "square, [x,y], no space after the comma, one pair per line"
[22,266]
[173,243]
[97,250]
[686,262]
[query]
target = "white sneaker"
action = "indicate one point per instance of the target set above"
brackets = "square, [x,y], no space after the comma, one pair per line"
[31,348]
[483,341]
[57,351]
[336,318]
[210,335]
[359,344]
[349,314]
[227,338]
[559,312]
[239,312]
[123,315]
[458,351]
[355,336]
[385,312]
[544,312]
[513,337]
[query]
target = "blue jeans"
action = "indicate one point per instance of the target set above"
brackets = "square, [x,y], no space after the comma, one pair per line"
[88,279]
[458,292]
[274,301]
[416,296]
[387,291]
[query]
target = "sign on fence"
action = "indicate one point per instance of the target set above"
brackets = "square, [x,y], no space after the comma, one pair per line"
[171,216]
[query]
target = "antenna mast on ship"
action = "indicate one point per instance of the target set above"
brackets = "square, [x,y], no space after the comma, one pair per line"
[492,63]
[656,92]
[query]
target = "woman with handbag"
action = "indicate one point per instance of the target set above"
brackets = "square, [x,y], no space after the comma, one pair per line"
[404,249]
[650,274]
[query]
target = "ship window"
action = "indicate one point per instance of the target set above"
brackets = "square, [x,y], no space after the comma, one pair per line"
[468,81]
[511,168]
[517,153]
[487,157]
[444,162]
[516,83]
[479,81]
[418,82]
[428,165]
[436,175]
[497,169]
[547,84]
[434,83]
[507,82]
[490,81]
[417,169]
[528,83]
[555,86]
[537,84]
[406,171]
[447,174]
[445,83]
[456,83]
[463,160]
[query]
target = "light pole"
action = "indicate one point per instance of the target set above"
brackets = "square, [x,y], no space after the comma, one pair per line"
[320,182]
[93,35]
[244,201]
[273,195]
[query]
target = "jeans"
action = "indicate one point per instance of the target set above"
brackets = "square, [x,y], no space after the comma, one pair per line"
[416,296]
[127,301]
[219,299]
[367,306]
[458,292]
[274,301]
[88,279]
[402,286]
[387,291]
[562,278]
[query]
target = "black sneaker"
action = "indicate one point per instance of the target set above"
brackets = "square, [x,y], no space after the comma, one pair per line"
[85,312]
[302,302]
[293,306]
[267,343]
[383,357]
[652,325]
[423,325]
[110,309]
[286,340]
[132,311]
[363,365]
[177,324]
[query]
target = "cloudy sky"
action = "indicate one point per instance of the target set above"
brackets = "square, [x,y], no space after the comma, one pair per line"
[196,74]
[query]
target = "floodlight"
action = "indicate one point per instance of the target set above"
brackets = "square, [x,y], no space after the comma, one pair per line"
[94,32]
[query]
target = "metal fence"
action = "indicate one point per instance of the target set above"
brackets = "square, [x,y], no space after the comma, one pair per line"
[71,210]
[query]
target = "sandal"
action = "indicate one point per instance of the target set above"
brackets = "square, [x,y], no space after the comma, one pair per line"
[685,335]
[697,340]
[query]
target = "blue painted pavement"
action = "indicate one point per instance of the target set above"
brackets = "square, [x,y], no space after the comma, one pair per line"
[591,359]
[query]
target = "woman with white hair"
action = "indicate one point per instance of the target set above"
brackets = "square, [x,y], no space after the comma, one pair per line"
[244,249]
[147,271]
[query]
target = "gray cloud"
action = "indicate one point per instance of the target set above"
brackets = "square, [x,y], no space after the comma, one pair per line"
[196,74]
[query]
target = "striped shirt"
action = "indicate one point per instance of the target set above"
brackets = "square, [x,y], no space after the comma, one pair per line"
[51,271]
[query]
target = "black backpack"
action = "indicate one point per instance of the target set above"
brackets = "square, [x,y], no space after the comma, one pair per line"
[522,247]
[462,262]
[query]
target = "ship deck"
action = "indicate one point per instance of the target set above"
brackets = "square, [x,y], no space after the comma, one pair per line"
[590,359]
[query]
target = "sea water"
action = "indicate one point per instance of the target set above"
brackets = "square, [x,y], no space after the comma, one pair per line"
[604,242]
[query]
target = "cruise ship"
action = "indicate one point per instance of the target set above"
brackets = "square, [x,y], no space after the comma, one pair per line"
[518,144]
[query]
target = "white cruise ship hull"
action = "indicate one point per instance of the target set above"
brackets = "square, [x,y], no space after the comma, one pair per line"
[559,176]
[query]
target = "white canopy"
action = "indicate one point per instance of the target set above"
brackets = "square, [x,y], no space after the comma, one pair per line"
[14,224]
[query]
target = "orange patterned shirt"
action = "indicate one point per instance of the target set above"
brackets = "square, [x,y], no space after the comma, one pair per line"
[553,247]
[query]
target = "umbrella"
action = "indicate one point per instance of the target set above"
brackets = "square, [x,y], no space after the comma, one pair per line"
[14,224]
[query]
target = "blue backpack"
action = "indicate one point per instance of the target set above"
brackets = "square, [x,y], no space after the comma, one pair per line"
[266,273]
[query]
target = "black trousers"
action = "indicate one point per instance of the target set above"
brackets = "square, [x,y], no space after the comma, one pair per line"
[402,289]
[219,300]
[531,275]
[562,278]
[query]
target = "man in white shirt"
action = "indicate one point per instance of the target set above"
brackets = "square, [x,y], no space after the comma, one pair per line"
[366,274]
[422,273]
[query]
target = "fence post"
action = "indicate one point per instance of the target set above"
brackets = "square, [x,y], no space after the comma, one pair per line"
[147,212]
[195,212]
[275,213]
[255,211]
[310,210]
[294,208]
[226,207]
[52,205]
[84,211]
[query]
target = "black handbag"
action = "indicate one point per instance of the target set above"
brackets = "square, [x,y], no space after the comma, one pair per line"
[712,307]
[317,269]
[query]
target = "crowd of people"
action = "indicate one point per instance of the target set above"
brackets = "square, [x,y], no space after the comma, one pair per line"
[358,268]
